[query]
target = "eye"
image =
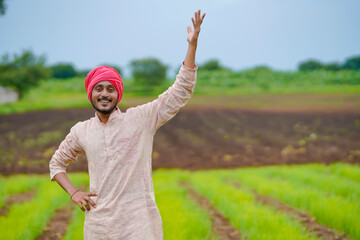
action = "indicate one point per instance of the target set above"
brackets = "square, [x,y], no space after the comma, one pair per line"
[98,88]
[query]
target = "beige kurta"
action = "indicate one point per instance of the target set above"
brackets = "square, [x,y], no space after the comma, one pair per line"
[119,159]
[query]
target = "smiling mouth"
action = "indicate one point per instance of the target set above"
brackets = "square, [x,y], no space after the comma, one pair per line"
[103,100]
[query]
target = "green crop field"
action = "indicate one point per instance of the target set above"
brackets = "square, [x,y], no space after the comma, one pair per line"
[328,194]
[256,87]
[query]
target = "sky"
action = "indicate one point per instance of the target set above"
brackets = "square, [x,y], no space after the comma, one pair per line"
[240,34]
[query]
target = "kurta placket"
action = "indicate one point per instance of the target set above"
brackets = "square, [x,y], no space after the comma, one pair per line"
[119,160]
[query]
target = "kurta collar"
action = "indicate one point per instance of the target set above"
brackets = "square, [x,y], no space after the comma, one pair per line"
[115,114]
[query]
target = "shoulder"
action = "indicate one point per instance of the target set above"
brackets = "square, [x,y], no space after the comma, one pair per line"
[82,124]
[80,127]
[135,111]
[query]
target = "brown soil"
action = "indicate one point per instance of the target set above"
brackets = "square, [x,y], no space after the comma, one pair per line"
[220,225]
[57,224]
[16,198]
[198,138]
[308,221]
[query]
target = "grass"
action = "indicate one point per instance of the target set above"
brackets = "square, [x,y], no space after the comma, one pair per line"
[310,175]
[344,170]
[17,184]
[76,226]
[266,80]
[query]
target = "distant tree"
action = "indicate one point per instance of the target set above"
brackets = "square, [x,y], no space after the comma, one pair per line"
[352,63]
[83,73]
[148,72]
[262,68]
[2,7]
[332,66]
[22,72]
[310,65]
[63,70]
[211,65]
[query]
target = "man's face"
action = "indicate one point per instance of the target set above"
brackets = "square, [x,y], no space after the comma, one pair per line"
[104,97]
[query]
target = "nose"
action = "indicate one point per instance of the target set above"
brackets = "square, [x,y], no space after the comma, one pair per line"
[105,93]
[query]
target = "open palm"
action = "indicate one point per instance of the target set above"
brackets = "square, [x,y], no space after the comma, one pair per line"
[193,34]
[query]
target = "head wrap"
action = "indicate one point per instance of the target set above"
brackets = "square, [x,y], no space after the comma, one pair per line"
[104,73]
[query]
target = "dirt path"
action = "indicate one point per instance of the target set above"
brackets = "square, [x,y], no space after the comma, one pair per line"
[221,227]
[59,222]
[309,222]
[305,219]
[16,198]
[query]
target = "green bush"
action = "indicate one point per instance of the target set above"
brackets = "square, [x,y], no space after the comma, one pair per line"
[211,65]
[63,70]
[148,72]
[352,63]
[22,72]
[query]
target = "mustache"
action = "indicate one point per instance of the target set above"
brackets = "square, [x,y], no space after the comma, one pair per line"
[104,98]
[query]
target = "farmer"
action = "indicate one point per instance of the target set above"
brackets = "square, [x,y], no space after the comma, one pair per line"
[118,146]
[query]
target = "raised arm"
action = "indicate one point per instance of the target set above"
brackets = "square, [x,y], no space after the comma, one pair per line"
[192,39]
[165,107]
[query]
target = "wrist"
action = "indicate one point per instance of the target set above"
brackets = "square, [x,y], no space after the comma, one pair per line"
[72,192]
[193,45]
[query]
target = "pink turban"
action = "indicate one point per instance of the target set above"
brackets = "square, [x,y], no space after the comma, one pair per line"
[104,73]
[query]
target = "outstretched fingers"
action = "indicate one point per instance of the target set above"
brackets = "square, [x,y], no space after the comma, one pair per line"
[203,16]
[197,14]
[197,21]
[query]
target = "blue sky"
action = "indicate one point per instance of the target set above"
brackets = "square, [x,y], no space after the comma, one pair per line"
[241,34]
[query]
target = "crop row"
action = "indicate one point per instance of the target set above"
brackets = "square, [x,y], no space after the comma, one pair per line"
[330,195]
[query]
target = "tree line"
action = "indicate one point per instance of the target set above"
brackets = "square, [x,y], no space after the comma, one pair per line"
[24,71]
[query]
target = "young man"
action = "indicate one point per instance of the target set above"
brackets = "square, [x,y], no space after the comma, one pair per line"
[118,146]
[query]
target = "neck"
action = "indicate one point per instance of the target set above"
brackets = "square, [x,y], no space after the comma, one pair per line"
[104,117]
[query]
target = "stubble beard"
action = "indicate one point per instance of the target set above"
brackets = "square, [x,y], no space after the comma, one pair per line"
[103,111]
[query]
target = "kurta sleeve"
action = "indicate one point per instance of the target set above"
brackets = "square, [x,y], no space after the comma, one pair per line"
[67,152]
[165,107]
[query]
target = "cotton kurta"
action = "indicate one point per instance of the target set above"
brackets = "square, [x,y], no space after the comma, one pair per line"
[119,161]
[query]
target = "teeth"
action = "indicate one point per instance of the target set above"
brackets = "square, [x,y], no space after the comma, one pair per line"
[104,101]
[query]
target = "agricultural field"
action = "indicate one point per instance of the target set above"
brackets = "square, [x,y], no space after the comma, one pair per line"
[197,138]
[309,201]
[256,155]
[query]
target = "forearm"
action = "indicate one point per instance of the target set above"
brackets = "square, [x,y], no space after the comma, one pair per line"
[63,180]
[190,56]
[192,39]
